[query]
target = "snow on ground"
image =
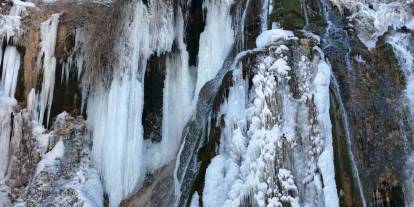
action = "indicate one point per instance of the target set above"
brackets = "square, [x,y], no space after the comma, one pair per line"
[50,158]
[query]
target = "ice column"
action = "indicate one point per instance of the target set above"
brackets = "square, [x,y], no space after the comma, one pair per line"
[11,65]
[178,94]
[115,111]
[216,41]
[48,32]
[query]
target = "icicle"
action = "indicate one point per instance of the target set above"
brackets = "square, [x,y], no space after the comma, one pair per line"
[48,32]
[11,65]
[214,46]
[31,101]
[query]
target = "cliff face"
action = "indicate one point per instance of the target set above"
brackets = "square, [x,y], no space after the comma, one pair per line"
[206,103]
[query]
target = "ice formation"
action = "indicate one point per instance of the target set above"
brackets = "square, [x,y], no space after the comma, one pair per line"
[47,63]
[11,65]
[177,103]
[326,159]
[372,19]
[118,145]
[259,131]
[214,45]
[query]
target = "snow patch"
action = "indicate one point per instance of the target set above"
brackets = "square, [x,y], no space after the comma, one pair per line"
[50,159]
[269,37]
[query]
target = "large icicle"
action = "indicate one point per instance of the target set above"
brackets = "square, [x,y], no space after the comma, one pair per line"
[115,114]
[177,108]
[215,41]
[11,65]
[48,32]
[117,136]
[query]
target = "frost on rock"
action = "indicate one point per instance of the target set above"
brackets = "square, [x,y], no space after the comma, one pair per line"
[404,52]
[276,143]
[49,159]
[65,175]
[373,18]
[10,26]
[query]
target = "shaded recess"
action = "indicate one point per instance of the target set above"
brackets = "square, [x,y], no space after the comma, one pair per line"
[153,97]
[194,28]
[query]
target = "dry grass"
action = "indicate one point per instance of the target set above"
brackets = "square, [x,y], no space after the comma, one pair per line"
[99,23]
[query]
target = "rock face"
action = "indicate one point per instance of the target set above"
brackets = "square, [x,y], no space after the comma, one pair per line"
[206,103]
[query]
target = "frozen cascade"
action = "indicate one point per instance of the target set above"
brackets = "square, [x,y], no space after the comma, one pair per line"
[259,124]
[48,32]
[117,136]
[404,53]
[177,103]
[214,45]
[10,71]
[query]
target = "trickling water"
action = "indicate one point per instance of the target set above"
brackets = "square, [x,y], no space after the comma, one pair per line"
[355,173]
[305,13]
[404,53]
[264,14]
[337,37]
